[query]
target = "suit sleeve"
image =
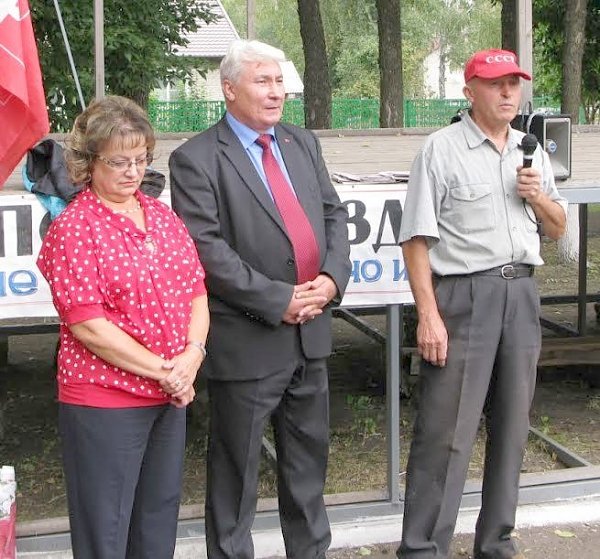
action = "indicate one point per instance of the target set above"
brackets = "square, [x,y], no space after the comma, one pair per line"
[229,278]
[336,263]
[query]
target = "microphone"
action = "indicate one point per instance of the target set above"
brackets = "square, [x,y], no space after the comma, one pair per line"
[528,145]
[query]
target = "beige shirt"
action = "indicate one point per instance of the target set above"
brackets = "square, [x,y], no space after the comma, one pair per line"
[462,198]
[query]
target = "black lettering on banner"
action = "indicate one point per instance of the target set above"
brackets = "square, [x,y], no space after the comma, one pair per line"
[392,212]
[44,225]
[356,216]
[24,230]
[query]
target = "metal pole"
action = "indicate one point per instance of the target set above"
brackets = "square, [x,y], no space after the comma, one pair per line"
[69,54]
[250,20]
[525,46]
[99,46]
[582,280]
[394,315]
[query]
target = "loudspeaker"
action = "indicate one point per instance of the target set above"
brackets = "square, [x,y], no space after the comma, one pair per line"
[554,134]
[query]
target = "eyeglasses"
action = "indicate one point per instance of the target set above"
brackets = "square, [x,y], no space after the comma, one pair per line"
[123,165]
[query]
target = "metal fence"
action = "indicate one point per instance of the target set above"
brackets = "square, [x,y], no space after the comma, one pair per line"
[360,114]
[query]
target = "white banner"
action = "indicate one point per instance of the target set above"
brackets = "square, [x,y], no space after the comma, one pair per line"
[378,274]
[23,290]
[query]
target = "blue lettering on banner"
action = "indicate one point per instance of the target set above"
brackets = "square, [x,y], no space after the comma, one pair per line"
[400,274]
[19,282]
[371,270]
[368,271]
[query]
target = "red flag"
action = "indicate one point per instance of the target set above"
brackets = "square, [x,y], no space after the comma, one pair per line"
[23,113]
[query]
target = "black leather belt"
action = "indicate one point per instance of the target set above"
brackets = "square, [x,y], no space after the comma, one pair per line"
[508,271]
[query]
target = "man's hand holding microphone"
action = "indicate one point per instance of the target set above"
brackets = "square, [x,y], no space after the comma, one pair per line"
[528,179]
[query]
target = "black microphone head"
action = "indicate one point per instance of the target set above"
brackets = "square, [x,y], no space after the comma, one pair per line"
[528,144]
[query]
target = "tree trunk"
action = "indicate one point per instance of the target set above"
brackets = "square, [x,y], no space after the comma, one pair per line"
[509,25]
[575,14]
[390,64]
[568,244]
[140,97]
[442,68]
[317,87]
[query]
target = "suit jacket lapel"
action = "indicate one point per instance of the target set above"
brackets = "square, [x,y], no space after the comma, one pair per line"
[296,168]
[234,151]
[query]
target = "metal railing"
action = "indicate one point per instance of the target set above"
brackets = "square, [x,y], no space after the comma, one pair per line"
[197,115]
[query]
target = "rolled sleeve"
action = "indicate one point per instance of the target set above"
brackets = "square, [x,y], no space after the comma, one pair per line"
[81,313]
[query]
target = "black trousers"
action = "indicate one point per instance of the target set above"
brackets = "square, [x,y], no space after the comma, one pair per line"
[494,343]
[123,470]
[296,401]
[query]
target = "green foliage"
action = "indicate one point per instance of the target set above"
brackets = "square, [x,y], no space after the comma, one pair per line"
[366,416]
[140,44]
[276,23]
[549,40]
[356,70]
[352,43]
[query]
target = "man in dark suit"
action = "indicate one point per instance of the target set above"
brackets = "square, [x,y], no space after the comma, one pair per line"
[257,198]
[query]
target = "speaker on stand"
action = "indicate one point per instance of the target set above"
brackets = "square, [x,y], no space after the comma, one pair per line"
[554,134]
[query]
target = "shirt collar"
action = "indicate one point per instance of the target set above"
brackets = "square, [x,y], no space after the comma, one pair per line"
[245,134]
[475,137]
[117,220]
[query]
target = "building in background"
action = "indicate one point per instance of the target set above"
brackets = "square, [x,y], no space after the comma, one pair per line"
[454,81]
[211,42]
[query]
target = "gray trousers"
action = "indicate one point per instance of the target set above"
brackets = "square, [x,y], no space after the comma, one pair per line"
[123,470]
[296,401]
[494,343]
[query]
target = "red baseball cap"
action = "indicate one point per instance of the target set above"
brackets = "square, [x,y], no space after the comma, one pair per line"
[493,63]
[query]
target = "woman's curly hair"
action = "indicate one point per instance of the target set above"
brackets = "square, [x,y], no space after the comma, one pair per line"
[110,120]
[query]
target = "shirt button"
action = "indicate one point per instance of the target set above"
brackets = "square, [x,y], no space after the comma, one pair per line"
[290,262]
[507,195]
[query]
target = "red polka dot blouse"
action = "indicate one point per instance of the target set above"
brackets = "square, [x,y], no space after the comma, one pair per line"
[100,264]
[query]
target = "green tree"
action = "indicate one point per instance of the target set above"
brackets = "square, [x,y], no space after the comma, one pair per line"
[549,43]
[509,23]
[390,64]
[277,24]
[351,36]
[458,28]
[576,12]
[317,88]
[140,46]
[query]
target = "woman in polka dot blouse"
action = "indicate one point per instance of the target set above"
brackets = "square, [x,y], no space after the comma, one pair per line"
[129,290]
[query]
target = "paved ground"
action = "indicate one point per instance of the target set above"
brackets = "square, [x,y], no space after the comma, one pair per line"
[559,541]
[559,530]
[567,530]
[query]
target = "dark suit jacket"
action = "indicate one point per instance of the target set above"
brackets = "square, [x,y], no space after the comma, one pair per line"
[246,253]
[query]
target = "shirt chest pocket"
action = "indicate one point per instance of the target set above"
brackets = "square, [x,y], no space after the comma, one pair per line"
[471,207]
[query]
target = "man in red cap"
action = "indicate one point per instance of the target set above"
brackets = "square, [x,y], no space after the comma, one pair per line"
[470,242]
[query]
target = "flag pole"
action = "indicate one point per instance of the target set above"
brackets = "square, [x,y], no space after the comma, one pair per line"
[99,46]
[69,54]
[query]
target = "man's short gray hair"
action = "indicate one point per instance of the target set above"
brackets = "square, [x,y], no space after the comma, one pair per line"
[242,51]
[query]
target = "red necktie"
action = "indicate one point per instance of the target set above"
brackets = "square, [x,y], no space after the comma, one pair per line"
[299,229]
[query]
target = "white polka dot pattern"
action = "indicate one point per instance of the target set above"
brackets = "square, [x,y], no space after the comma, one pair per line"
[98,264]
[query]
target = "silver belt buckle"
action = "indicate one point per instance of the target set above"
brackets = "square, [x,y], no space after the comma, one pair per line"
[508,271]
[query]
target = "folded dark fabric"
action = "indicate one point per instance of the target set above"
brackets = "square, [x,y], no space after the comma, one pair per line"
[47,170]
[153,183]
